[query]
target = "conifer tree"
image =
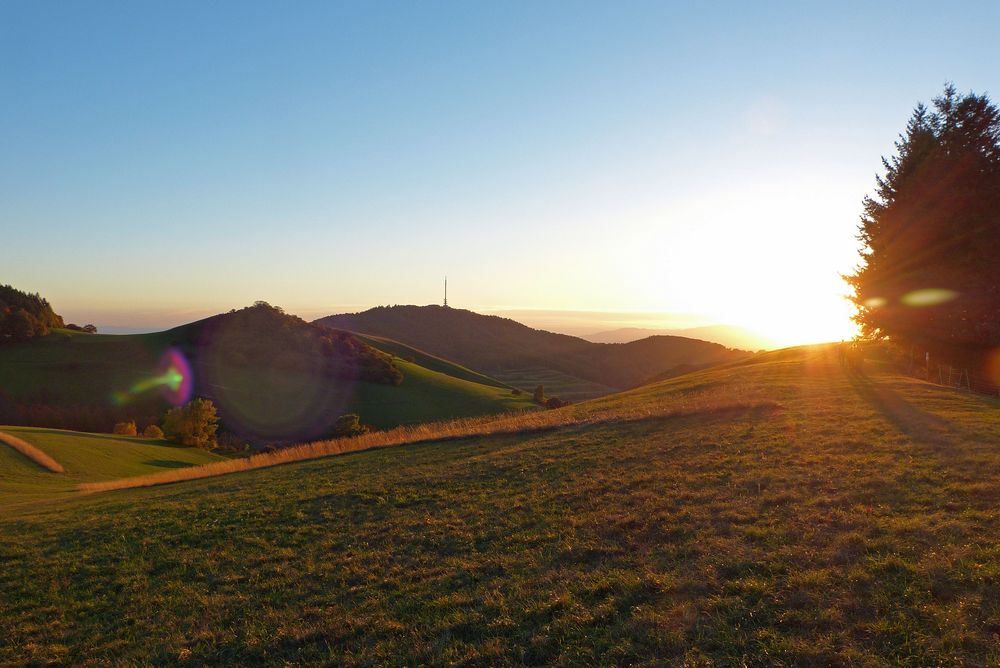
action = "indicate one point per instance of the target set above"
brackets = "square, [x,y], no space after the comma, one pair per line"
[929,273]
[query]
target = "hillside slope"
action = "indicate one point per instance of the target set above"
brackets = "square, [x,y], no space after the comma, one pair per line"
[85,458]
[505,349]
[855,524]
[272,376]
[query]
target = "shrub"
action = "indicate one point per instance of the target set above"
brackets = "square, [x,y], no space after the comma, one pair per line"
[555,402]
[125,428]
[193,424]
[230,442]
[152,431]
[516,392]
[348,425]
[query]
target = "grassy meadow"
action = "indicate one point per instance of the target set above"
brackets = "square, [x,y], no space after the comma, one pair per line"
[86,458]
[799,514]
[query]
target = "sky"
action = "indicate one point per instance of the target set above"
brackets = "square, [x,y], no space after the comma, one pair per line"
[683,162]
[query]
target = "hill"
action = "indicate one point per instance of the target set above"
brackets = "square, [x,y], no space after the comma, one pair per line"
[522,356]
[272,376]
[727,335]
[787,512]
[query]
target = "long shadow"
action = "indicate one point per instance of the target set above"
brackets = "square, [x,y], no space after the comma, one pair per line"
[919,425]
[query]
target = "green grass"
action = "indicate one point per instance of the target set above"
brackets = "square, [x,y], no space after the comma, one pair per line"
[556,383]
[428,361]
[858,524]
[431,395]
[86,458]
[78,367]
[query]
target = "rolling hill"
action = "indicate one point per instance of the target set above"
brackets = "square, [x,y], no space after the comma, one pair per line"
[525,357]
[778,511]
[272,376]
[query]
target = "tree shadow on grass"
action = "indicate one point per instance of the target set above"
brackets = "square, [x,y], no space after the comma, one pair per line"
[919,425]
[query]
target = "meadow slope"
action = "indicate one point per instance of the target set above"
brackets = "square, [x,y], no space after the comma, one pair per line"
[856,523]
[86,458]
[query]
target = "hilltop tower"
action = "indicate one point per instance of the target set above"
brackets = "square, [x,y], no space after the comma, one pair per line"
[446,292]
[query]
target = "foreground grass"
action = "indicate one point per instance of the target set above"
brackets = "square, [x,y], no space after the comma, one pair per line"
[857,525]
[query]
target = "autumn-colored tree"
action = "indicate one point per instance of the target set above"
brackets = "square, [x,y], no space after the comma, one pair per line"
[124,428]
[193,424]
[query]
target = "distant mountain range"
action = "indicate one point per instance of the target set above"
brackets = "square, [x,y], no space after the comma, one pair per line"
[524,357]
[727,335]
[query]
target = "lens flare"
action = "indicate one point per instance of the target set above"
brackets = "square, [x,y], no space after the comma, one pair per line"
[876,302]
[174,380]
[928,297]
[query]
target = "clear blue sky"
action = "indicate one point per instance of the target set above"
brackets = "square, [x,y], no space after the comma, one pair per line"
[160,161]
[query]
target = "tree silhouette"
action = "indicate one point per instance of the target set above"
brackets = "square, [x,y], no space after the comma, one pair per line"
[931,234]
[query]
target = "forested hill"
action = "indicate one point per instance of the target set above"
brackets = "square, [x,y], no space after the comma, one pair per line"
[497,346]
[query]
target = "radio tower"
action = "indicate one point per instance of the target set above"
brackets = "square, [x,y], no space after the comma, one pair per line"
[446,292]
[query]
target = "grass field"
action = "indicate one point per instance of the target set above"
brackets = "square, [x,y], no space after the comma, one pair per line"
[856,524]
[428,361]
[86,458]
[556,383]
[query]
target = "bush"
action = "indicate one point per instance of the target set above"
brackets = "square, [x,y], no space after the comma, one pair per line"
[125,428]
[516,392]
[152,431]
[194,424]
[555,402]
[348,425]
[232,443]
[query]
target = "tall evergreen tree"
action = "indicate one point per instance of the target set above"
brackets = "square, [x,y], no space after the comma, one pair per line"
[929,273]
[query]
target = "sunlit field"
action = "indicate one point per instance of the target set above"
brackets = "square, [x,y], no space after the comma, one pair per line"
[851,520]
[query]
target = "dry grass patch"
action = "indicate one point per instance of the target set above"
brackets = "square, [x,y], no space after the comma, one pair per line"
[32,453]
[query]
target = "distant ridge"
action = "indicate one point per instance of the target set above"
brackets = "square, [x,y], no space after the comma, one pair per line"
[727,335]
[517,354]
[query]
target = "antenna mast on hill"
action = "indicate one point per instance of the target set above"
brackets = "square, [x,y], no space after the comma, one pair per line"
[446,291]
